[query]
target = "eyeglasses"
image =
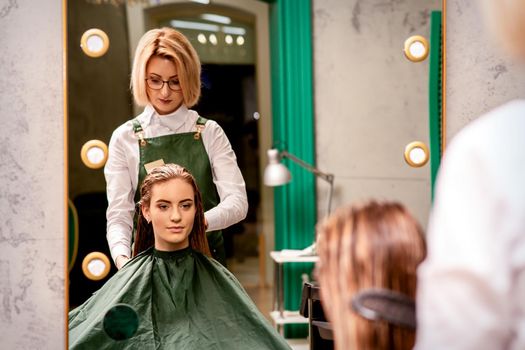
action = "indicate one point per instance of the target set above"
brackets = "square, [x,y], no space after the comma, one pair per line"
[157,84]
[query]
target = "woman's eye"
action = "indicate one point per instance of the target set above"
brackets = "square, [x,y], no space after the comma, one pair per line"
[163,206]
[186,205]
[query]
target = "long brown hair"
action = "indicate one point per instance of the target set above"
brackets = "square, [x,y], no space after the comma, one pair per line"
[373,245]
[144,237]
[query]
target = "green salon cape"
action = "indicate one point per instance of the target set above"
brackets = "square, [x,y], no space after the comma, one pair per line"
[184,300]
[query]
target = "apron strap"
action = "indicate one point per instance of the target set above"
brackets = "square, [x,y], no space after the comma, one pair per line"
[201,122]
[139,132]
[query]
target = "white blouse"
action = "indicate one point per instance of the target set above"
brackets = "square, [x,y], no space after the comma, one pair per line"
[471,287]
[121,172]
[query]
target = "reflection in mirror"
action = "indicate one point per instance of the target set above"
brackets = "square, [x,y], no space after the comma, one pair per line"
[416,48]
[94,42]
[94,154]
[96,266]
[416,154]
[235,92]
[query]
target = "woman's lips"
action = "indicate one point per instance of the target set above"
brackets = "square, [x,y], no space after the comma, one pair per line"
[175,229]
[164,101]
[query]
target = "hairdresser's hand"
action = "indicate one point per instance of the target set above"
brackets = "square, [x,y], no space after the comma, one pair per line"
[121,261]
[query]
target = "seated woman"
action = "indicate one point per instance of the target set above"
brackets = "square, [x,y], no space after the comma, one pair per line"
[184,298]
[375,246]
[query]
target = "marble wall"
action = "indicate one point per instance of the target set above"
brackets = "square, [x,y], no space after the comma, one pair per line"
[370,101]
[32,192]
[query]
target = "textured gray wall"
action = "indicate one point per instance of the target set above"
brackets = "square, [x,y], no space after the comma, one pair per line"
[479,75]
[32,195]
[370,101]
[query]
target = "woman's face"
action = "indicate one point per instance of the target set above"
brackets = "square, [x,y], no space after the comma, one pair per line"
[171,212]
[169,97]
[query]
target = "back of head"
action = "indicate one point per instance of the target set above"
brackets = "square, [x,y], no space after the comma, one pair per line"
[506,18]
[172,44]
[144,235]
[373,245]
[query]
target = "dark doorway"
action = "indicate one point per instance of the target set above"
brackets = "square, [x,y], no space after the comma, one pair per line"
[229,97]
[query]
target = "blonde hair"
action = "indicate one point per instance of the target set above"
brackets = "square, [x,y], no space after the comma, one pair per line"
[167,43]
[506,18]
[379,245]
[145,237]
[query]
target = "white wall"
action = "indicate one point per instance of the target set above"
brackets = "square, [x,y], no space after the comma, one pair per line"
[32,196]
[370,101]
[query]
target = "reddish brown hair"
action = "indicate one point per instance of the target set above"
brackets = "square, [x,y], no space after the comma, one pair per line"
[374,245]
[144,236]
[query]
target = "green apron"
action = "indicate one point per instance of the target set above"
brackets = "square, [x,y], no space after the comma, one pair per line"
[187,150]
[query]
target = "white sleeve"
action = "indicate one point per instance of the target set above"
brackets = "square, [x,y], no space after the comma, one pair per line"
[227,177]
[120,193]
[464,284]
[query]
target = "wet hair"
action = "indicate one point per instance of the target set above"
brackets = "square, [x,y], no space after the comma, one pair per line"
[173,45]
[372,245]
[144,236]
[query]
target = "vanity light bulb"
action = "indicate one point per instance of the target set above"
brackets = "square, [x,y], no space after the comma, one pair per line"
[95,43]
[202,38]
[96,155]
[240,40]
[228,39]
[213,39]
[417,49]
[96,267]
[417,155]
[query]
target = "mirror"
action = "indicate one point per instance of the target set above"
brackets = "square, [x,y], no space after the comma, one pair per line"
[231,38]
[369,100]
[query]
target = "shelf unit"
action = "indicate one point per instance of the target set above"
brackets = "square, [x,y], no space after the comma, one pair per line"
[280,316]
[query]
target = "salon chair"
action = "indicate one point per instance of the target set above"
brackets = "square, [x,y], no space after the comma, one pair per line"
[374,304]
[320,330]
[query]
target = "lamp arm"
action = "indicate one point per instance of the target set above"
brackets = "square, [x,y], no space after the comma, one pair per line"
[327,177]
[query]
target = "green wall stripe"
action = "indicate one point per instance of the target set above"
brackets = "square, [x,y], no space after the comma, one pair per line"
[293,129]
[435,89]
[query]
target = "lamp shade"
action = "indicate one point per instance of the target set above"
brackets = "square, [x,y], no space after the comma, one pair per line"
[276,174]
